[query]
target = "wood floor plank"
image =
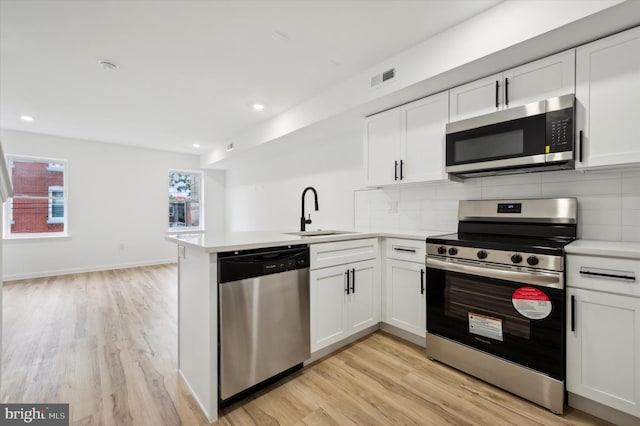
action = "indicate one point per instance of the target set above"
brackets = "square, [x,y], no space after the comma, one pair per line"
[106,343]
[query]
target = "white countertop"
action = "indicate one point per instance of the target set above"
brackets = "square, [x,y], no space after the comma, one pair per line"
[231,241]
[620,249]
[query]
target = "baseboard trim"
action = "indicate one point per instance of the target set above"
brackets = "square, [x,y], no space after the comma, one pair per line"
[601,411]
[210,417]
[321,353]
[96,268]
[403,334]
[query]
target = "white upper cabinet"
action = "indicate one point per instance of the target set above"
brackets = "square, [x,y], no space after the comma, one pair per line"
[406,144]
[545,78]
[423,139]
[476,98]
[382,147]
[608,95]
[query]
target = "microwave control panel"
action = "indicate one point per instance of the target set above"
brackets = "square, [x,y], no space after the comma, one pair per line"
[559,131]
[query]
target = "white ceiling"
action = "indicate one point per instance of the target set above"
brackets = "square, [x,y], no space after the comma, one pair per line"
[189,70]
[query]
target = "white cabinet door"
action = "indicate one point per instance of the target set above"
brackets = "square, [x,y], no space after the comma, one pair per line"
[608,93]
[335,313]
[476,98]
[329,316]
[603,349]
[405,296]
[423,139]
[382,147]
[546,78]
[363,300]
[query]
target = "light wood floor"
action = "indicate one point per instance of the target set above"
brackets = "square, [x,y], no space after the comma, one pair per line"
[106,343]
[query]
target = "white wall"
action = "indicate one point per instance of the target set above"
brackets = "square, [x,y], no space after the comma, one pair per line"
[263,193]
[608,201]
[264,189]
[117,198]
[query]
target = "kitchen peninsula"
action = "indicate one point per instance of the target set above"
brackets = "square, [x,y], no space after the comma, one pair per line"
[198,294]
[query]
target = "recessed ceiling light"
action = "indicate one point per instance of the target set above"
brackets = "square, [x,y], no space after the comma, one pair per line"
[258,107]
[196,145]
[107,65]
[26,118]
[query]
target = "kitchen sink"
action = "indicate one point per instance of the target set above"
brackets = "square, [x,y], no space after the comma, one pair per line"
[318,233]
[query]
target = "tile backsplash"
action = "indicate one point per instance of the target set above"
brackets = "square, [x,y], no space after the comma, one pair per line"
[608,201]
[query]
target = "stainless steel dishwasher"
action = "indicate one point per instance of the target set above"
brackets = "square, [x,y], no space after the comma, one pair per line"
[263,317]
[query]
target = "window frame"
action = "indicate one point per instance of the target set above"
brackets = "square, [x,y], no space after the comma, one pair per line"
[8,210]
[51,219]
[189,229]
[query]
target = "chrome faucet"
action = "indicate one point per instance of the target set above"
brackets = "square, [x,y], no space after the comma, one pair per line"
[303,221]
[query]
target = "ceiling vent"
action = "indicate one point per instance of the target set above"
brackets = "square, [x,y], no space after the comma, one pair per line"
[378,79]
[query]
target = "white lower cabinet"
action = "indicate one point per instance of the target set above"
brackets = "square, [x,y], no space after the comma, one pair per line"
[405,296]
[603,333]
[344,301]
[603,349]
[345,298]
[405,304]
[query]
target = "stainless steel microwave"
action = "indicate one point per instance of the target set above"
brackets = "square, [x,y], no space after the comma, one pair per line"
[533,137]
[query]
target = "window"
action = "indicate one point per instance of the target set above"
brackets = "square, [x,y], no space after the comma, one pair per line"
[185,200]
[56,204]
[39,200]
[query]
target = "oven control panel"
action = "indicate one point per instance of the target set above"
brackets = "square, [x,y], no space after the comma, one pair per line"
[502,257]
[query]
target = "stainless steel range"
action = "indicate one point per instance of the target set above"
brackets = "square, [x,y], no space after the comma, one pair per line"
[496,295]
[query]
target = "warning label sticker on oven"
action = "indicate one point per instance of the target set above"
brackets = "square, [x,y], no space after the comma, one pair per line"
[485,326]
[531,303]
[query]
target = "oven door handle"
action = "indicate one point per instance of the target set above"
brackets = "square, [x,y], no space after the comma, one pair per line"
[539,278]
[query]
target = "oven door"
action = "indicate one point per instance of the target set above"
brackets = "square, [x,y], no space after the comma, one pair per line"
[514,313]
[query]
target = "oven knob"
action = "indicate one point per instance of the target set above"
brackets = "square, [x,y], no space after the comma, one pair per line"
[442,250]
[453,251]
[516,258]
[532,260]
[482,254]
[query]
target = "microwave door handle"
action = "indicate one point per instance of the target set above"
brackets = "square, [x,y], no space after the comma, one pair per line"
[543,279]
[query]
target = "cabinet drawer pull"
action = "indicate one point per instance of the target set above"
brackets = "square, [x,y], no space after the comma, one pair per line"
[347,289]
[353,280]
[497,93]
[421,281]
[607,273]
[401,172]
[395,173]
[406,250]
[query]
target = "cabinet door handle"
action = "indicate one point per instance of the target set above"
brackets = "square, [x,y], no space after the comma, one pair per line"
[421,281]
[506,91]
[404,249]
[607,273]
[401,166]
[497,93]
[573,313]
[581,145]
[353,280]
[347,274]
[395,173]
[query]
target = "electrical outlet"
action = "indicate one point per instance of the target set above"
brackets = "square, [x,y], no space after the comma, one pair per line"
[121,246]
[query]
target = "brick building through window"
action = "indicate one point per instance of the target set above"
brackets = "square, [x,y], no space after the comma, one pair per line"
[38,204]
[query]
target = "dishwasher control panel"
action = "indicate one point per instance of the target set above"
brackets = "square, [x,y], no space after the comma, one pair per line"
[239,265]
